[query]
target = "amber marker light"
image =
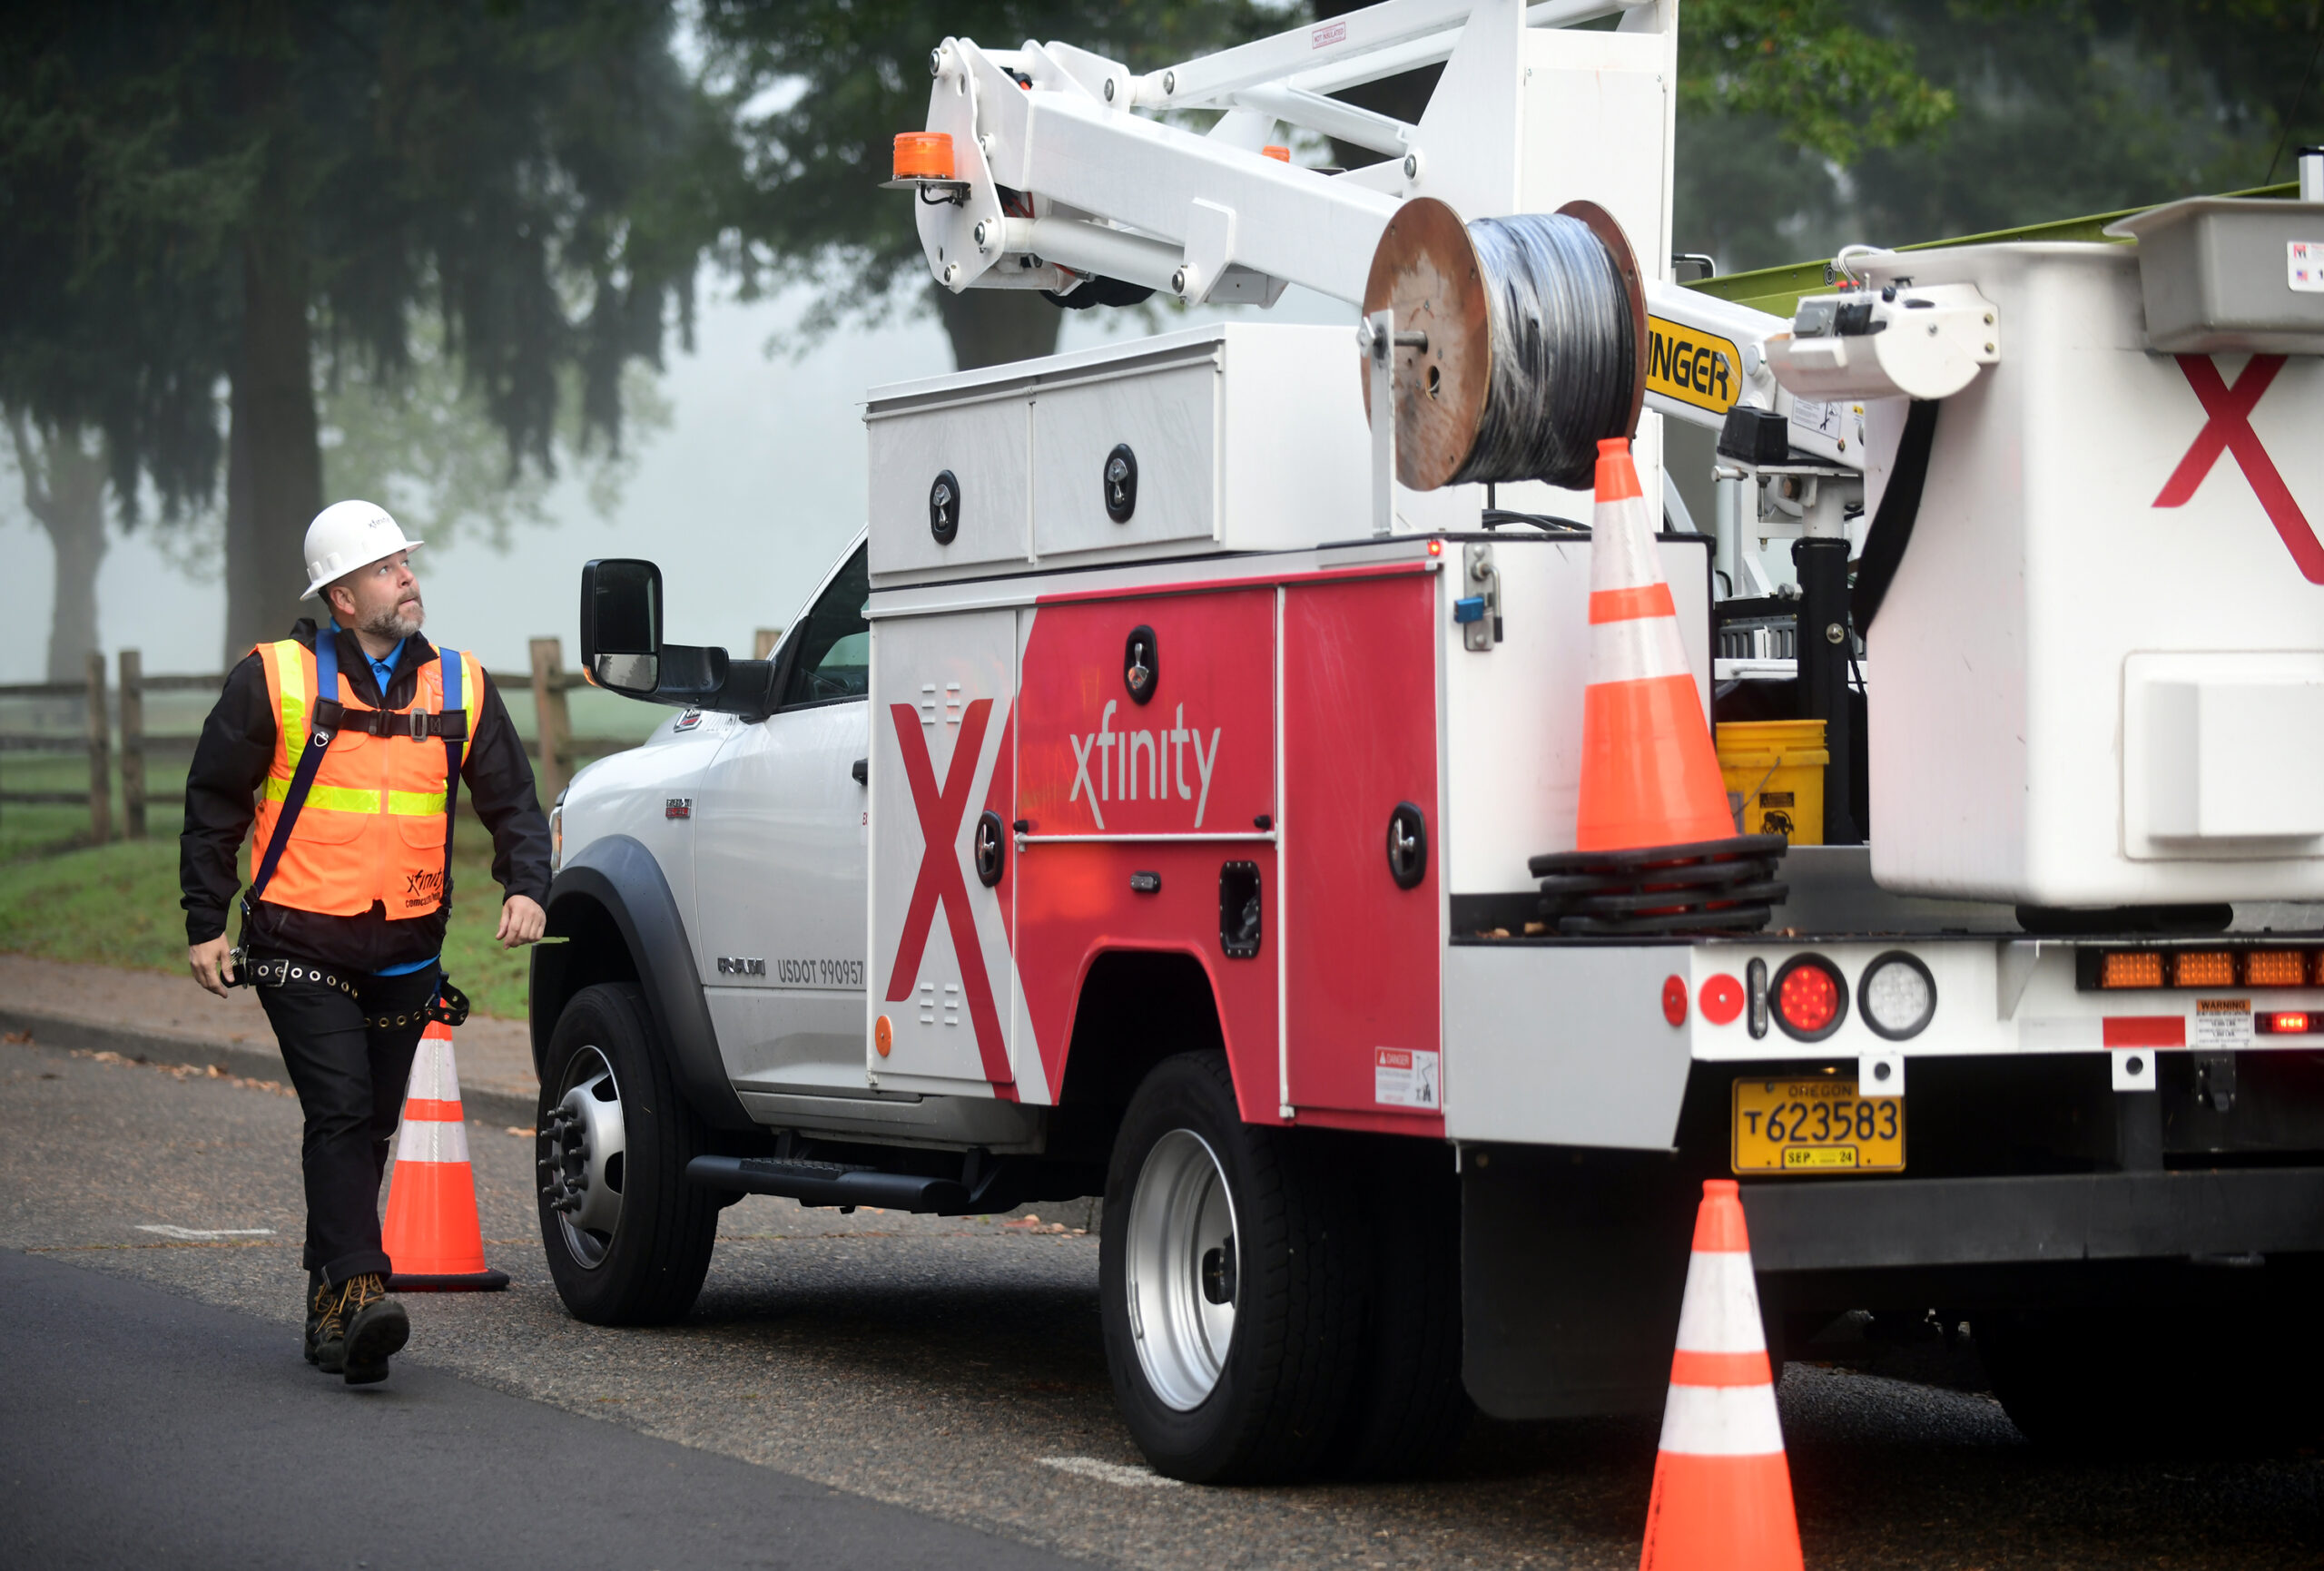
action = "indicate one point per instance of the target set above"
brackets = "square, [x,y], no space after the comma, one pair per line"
[2132,968]
[883,1036]
[1277,152]
[2275,968]
[2202,968]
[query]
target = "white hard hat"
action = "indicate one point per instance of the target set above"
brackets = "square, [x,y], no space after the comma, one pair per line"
[346,536]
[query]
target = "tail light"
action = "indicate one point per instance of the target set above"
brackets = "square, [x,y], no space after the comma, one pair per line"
[1898,996]
[1810,998]
[2285,1023]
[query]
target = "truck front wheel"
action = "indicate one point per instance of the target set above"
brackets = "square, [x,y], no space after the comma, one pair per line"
[1228,1283]
[628,1238]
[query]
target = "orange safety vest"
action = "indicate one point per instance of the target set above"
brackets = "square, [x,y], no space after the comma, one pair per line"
[373,828]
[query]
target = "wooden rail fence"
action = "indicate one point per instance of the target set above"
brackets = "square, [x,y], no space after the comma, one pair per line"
[555,748]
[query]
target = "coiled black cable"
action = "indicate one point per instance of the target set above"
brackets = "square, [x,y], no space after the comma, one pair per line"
[1564,352]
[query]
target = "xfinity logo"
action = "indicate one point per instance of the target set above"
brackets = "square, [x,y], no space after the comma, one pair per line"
[740,966]
[1152,762]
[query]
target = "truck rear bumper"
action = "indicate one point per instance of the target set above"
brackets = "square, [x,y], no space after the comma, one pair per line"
[1572,1264]
[1871,1223]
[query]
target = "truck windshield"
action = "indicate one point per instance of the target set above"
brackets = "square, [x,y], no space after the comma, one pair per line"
[835,649]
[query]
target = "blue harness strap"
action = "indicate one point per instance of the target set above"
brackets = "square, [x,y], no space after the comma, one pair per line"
[454,746]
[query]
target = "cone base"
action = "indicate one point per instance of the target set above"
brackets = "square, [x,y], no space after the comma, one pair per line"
[1721,1514]
[431,1230]
[473,1281]
[1650,774]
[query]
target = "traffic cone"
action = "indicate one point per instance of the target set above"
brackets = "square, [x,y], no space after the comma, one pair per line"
[1650,774]
[430,1234]
[1722,1488]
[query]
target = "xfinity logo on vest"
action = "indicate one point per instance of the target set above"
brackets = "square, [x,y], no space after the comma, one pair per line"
[1152,764]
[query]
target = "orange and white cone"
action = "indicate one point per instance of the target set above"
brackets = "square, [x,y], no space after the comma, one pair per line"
[1722,1487]
[431,1234]
[1650,774]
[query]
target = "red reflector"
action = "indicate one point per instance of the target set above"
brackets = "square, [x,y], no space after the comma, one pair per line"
[2281,1023]
[1808,999]
[1722,999]
[1674,1000]
[2145,1030]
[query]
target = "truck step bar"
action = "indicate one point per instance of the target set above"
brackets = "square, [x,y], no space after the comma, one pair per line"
[830,1184]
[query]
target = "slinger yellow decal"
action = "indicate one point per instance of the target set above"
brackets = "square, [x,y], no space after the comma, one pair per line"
[1699,368]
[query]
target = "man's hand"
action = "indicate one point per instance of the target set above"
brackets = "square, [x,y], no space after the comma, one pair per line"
[214,963]
[522,921]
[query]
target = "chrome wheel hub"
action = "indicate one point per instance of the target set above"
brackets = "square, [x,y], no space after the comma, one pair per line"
[1181,1269]
[584,1148]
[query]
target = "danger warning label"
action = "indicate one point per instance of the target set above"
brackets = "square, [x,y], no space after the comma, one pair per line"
[1699,368]
[1405,1077]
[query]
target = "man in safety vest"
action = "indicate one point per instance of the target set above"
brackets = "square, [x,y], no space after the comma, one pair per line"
[348,746]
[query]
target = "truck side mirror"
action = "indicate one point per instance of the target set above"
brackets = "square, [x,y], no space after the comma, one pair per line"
[623,652]
[621,626]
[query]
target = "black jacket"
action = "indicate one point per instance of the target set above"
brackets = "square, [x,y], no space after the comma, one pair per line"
[231,761]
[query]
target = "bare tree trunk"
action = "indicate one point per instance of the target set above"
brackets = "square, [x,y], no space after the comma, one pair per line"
[992,326]
[274,481]
[64,491]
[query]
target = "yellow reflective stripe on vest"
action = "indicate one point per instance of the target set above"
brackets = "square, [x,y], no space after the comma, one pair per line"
[353,799]
[333,798]
[290,672]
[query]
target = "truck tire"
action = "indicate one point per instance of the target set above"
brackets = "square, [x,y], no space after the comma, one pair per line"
[1228,1284]
[1410,1409]
[628,1238]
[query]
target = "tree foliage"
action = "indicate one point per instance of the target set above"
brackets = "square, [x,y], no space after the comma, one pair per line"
[1832,86]
[199,194]
[2061,108]
[819,89]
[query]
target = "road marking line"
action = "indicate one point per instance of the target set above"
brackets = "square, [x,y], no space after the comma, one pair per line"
[199,1234]
[1110,1472]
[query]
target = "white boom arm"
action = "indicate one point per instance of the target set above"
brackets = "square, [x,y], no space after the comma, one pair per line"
[1058,176]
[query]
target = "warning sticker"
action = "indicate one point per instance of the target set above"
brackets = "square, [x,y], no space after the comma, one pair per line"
[2304,265]
[1405,1077]
[2221,1023]
[1699,368]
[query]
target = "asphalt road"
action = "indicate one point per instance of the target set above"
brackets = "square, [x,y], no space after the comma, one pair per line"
[153,1399]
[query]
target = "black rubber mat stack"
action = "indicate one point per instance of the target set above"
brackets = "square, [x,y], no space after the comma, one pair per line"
[1708,887]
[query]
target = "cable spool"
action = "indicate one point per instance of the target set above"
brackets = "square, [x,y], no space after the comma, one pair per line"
[1536,347]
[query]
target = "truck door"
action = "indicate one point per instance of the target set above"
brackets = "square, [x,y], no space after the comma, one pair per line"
[780,836]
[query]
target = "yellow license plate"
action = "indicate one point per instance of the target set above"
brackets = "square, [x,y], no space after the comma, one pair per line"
[1816,1125]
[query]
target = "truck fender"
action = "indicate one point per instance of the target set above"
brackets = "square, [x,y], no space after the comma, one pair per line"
[615,880]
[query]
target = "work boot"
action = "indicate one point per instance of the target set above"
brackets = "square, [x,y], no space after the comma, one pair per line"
[326,1344]
[318,1300]
[376,1329]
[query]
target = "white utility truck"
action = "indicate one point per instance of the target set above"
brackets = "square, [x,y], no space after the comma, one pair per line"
[1172,795]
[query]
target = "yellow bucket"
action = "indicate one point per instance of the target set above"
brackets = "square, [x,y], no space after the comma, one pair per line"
[1775,776]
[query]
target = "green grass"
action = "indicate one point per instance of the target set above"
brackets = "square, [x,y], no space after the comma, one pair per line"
[117,904]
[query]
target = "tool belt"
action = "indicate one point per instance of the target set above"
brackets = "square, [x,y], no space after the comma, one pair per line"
[330,715]
[448,1007]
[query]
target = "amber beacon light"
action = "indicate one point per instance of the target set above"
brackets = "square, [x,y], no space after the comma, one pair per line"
[924,156]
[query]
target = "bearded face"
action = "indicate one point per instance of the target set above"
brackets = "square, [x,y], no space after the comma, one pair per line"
[382,599]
